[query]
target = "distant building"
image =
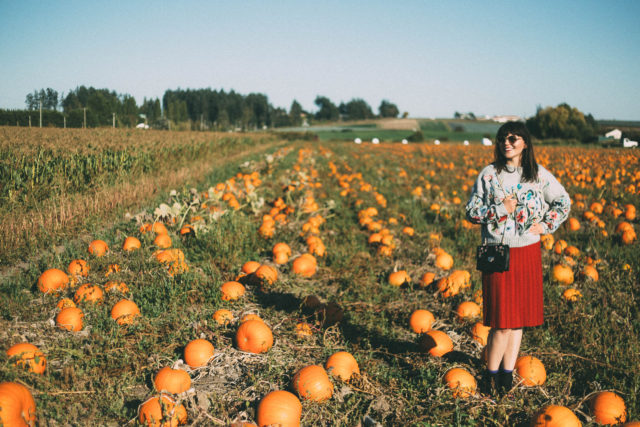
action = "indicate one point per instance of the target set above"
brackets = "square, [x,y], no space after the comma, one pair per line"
[505,119]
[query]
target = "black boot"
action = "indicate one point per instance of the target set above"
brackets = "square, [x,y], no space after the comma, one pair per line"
[489,383]
[505,382]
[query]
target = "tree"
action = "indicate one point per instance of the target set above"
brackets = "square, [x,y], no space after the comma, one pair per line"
[295,113]
[564,122]
[387,109]
[327,110]
[356,109]
[48,97]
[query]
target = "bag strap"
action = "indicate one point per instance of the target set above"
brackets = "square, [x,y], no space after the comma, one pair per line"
[504,228]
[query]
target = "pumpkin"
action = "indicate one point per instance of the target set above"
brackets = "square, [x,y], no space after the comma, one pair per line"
[531,370]
[266,274]
[115,286]
[343,365]
[223,316]
[436,343]
[461,382]
[555,416]
[590,272]
[305,265]
[172,380]
[29,356]
[427,279]
[254,336]
[187,230]
[162,241]
[65,302]
[70,318]
[131,244]
[53,280]
[280,258]
[279,408]
[198,353]
[468,310]
[98,248]
[572,294]
[562,274]
[630,212]
[608,408]
[281,248]
[572,251]
[304,329]
[168,256]
[17,407]
[231,291]
[421,321]
[78,267]
[480,333]
[399,278]
[159,228]
[444,261]
[628,237]
[409,231]
[573,224]
[250,267]
[547,241]
[452,284]
[312,383]
[161,411]
[560,246]
[88,293]
[124,312]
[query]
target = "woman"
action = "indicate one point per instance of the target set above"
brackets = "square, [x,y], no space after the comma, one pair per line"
[516,196]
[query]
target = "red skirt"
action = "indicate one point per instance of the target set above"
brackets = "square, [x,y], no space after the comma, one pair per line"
[513,299]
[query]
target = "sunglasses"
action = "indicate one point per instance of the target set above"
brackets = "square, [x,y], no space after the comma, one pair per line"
[513,138]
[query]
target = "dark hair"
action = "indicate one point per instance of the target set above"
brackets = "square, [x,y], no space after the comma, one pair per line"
[528,159]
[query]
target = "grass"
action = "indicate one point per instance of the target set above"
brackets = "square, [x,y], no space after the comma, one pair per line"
[102,374]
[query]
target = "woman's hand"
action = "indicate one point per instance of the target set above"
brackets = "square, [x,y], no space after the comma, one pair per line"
[510,203]
[536,228]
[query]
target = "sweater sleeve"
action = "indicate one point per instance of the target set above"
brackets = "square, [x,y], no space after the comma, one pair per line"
[481,207]
[558,200]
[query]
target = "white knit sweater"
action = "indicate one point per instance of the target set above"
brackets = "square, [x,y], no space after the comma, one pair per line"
[544,201]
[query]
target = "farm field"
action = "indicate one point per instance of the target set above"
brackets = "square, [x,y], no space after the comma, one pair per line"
[367,235]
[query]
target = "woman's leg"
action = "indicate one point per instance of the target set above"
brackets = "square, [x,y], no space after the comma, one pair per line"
[512,349]
[497,345]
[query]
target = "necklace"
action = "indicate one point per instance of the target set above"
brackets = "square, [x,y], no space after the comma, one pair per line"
[512,169]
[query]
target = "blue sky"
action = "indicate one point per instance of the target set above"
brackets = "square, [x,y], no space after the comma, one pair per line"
[431,58]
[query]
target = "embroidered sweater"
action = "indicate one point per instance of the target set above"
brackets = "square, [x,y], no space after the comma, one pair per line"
[544,201]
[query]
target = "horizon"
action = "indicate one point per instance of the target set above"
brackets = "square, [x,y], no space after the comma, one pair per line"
[431,60]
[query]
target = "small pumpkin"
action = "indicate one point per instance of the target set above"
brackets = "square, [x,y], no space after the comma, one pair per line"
[250,267]
[555,416]
[480,333]
[427,279]
[312,383]
[223,316]
[399,278]
[343,365]
[266,274]
[444,261]
[562,274]
[65,302]
[468,310]
[608,408]
[115,286]
[17,407]
[198,353]
[29,356]
[131,244]
[303,329]
[162,411]
[88,293]
[78,267]
[162,241]
[590,272]
[305,265]
[421,321]
[98,248]
[53,280]
[172,380]
[159,228]
[280,408]
[70,318]
[254,336]
[124,312]
[531,370]
[231,291]
[436,343]
[461,382]
[547,241]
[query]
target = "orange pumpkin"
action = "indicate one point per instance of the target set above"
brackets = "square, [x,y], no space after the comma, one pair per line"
[124,312]
[29,356]
[115,286]
[608,408]
[17,407]
[250,267]
[480,333]
[172,380]
[573,224]
[254,336]
[560,246]
[461,382]
[562,274]
[444,261]
[198,353]
[53,280]
[281,248]
[572,294]
[65,302]
[231,291]
[590,272]
[78,267]
[223,316]
[161,411]
[162,241]
[468,310]
[279,408]
[159,228]
[555,416]
[304,329]
[547,241]
[70,318]
[436,343]
[399,278]
[266,274]
[343,365]
[426,279]
[312,383]
[131,244]
[305,265]
[531,370]
[88,293]
[98,248]
[421,321]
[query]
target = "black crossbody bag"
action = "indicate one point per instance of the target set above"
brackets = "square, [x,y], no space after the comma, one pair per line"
[493,257]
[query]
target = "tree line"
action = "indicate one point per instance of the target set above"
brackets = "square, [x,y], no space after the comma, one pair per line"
[182,109]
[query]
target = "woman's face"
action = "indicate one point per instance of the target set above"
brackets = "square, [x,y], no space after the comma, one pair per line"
[512,149]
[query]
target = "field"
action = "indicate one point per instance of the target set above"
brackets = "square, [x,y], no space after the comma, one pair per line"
[363,212]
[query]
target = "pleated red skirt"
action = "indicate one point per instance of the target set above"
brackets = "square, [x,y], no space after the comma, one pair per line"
[513,299]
